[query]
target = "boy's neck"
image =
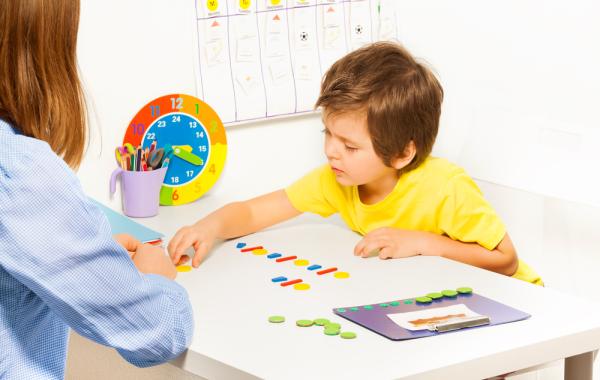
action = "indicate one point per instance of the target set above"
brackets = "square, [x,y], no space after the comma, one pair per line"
[375,191]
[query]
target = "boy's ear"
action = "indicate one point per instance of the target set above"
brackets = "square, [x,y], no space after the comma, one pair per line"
[409,153]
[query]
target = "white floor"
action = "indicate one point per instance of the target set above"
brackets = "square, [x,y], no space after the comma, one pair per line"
[560,239]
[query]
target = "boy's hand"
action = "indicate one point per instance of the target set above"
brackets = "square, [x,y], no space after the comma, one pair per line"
[152,259]
[128,242]
[199,236]
[391,243]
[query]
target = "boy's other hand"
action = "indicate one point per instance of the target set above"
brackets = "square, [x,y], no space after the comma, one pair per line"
[391,243]
[198,236]
[152,259]
[128,242]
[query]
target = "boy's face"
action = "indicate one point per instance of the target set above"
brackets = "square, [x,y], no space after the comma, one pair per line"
[350,152]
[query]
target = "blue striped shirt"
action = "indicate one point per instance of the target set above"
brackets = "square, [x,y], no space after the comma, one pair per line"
[61,269]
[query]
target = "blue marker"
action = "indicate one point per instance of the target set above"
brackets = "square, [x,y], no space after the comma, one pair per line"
[279,279]
[240,245]
[273,255]
[314,267]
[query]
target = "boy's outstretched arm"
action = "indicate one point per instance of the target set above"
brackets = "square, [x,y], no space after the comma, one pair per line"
[397,243]
[230,221]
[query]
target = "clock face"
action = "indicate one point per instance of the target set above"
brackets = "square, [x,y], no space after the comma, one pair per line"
[192,137]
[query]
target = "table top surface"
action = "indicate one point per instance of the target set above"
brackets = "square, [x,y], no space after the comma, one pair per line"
[232,295]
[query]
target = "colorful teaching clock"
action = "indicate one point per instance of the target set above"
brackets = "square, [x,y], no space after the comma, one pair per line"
[193,138]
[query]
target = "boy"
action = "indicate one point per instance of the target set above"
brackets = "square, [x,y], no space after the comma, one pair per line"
[381,112]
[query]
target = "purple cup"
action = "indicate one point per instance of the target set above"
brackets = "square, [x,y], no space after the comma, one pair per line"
[140,191]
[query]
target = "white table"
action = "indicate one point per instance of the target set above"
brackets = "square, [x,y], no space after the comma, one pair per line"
[233,296]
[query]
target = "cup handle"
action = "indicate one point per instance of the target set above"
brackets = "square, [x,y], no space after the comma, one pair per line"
[113,180]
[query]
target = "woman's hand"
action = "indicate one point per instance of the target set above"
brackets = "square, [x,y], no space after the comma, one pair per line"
[128,242]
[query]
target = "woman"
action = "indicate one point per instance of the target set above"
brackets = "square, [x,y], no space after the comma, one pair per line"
[59,265]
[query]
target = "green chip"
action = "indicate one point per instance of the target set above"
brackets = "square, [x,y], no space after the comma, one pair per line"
[331,331]
[449,293]
[333,326]
[368,307]
[276,319]
[348,335]
[394,303]
[304,323]
[321,321]
[341,310]
[423,299]
[408,302]
[384,305]
[354,309]
[435,296]
[464,290]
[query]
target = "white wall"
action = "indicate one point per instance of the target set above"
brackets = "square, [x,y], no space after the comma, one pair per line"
[522,84]
[521,79]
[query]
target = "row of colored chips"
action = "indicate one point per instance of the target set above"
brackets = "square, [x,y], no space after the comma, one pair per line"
[298,283]
[329,328]
[448,293]
[420,300]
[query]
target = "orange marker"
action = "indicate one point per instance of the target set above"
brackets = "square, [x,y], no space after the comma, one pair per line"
[252,248]
[282,259]
[299,280]
[325,271]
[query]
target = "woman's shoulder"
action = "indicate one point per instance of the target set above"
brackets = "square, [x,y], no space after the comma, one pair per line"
[26,159]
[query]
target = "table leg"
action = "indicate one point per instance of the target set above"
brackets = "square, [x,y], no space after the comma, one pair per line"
[580,367]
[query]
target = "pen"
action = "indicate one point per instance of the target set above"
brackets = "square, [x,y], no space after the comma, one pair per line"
[138,158]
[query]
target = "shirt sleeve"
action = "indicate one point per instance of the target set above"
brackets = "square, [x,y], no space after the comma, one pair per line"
[309,193]
[59,245]
[466,216]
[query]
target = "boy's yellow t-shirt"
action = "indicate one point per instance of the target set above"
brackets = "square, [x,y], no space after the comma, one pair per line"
[437,197]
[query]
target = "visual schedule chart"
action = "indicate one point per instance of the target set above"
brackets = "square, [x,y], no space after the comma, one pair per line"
[259,59]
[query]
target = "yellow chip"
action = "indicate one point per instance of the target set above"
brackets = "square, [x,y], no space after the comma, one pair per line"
[302,286]
[259,251]
[341,274]
[184,268]
[301,263]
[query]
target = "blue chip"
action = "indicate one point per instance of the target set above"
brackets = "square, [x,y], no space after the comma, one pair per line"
[279,279]
[274,255]
[314,267]
[240,245]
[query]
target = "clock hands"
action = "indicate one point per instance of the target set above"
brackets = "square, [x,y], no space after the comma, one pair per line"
[181,152]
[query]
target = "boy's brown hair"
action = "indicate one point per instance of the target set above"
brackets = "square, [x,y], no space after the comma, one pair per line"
[401,97]
[40,91]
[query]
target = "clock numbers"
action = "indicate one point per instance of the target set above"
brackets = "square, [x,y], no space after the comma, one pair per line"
[162,124]
[175,196]
[189,173]
[212,169]
[202,148]
[151,136]
[138,129]
[193,124]
[155,110]
[200,135]
[177,103]
[176,119]
[175,179]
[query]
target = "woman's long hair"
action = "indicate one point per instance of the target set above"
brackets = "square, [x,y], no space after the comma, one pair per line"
[40,90]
